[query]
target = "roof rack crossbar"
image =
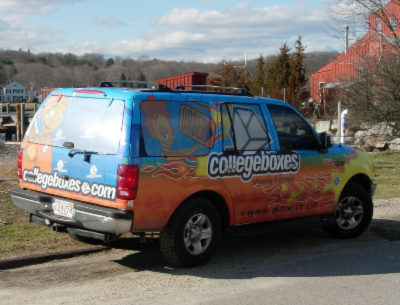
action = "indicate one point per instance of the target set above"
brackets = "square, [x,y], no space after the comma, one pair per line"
[240,90]
[153,86]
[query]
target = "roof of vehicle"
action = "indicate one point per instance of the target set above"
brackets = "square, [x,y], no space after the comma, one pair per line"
[172,95]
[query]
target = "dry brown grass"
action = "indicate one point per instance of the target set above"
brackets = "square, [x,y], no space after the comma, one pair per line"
[19,237]
[8,170]
[387,170]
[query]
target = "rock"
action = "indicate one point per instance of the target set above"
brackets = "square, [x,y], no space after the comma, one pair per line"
[395,141]
[334,125]
[394,147]
[323,126]
[360,134]
[380,129]
[366,126]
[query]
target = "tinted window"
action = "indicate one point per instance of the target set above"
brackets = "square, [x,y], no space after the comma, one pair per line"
[244,128]
[293,132]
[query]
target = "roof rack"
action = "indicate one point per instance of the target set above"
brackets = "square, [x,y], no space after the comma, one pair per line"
[240,90]
[152,86]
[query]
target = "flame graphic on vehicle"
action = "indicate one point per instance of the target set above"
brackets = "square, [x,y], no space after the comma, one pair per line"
[178,169]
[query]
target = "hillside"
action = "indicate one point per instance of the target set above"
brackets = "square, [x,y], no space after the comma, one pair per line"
[53,70]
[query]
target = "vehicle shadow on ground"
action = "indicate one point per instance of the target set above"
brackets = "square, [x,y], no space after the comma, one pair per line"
[300,253]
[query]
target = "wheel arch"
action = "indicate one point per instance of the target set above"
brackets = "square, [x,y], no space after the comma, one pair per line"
[216,200]
[361,180]
[219,202]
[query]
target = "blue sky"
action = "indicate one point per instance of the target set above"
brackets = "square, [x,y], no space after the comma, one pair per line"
[190,30]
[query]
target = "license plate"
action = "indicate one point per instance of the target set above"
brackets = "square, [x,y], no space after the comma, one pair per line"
[63,208]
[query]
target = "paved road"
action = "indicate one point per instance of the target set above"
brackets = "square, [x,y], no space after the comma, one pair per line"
[302,267]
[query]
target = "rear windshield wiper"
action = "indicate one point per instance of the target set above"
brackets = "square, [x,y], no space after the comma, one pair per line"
[86,153]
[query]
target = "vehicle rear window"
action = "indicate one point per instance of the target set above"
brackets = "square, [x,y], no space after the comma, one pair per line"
[92,124]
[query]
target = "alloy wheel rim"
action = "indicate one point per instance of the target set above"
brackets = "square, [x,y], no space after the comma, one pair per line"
[349,213]
[197,234]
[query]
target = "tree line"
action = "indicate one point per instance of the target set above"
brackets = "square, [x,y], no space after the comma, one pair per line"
[282,76]
[55,70]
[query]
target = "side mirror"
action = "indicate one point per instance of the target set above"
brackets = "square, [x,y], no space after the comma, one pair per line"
[325,140]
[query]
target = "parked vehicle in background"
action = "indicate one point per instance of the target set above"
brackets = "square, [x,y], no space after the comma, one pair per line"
[100,162]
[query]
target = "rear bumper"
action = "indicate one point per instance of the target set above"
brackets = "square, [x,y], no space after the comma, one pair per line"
[87,216]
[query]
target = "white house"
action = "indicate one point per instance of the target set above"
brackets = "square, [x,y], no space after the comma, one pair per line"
[14,91]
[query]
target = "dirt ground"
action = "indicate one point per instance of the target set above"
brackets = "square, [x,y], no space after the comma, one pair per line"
[301,267]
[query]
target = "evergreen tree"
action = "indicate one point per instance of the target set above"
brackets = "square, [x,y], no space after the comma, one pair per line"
[244,79]
[259,80]
[297,78]
[142,78]
[232,76]
[109,62]
[122,78]
[129,85]
[278,72]
[3,77]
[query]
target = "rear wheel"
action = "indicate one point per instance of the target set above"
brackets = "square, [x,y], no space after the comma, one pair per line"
[192,235]
[353,213]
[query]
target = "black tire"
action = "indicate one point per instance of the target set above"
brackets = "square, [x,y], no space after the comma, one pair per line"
[353,213]
[180,241]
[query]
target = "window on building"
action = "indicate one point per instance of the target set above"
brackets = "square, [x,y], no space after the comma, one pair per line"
[378,25]
[393,23]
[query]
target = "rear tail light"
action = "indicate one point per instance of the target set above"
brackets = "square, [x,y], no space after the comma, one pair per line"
[127,181]
[19,163]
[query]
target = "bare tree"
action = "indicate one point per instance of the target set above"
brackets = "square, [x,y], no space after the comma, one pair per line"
[372,89]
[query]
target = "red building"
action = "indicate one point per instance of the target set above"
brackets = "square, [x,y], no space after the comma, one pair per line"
[373,45]
[192,78]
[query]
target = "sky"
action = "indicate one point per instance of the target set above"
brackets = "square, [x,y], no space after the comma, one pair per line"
[189,30]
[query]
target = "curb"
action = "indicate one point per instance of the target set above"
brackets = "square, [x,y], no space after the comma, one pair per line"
[10,263]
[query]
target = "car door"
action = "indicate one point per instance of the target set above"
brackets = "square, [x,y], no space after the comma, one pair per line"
[310,189]
[245,162]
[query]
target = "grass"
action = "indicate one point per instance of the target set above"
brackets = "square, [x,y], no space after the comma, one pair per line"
[18,237]
[8,170]
[387,171]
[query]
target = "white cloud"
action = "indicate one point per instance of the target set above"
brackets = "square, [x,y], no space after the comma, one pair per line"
[211,35]
[12,10]
[243,19]
[25,36]
[110,21]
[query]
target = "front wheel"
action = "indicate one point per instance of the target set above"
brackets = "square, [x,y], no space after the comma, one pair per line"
[192,235]
[353,213]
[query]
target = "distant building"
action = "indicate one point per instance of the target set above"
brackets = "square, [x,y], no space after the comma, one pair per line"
[375,43]
[15,92]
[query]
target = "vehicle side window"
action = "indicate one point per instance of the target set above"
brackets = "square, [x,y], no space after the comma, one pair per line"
[176,129]
[293,132]
[244,128]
